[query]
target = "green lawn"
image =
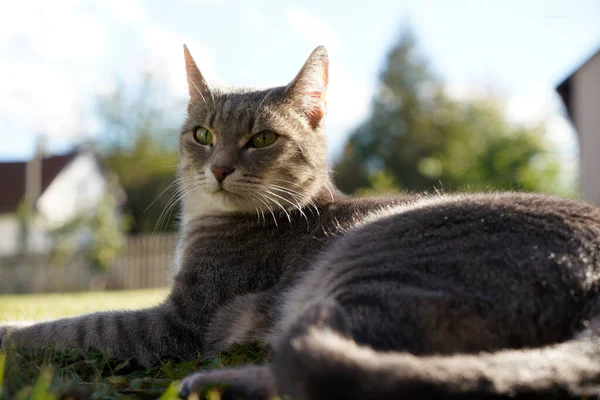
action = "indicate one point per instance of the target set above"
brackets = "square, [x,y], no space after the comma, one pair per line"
[46,374]
[38,307]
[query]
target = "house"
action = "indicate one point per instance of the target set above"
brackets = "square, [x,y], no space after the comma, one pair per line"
[580,93]
[46,193]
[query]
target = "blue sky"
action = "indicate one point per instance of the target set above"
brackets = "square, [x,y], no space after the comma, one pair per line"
[56,57]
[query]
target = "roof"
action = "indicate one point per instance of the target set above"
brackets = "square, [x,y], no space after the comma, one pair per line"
[12,183]
[565,88]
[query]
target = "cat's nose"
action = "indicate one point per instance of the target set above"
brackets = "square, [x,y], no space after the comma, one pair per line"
[221,172]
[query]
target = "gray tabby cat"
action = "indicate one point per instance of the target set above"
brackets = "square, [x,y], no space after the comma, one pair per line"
[474,296]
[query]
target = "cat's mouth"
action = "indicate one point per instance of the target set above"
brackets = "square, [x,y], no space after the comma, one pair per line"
[230,196]
[222,191]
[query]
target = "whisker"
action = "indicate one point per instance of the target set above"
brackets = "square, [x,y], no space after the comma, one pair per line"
[198,90]
[296,206]
[161,193]
[255,206]
[326,187]
[262,101]
[261,211]
[279,204]
[158,224]
[269,207]
[183,191]
[304,198]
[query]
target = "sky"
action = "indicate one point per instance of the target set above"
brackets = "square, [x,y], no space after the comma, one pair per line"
[57,57]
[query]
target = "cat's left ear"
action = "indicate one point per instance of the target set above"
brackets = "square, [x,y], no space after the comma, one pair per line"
[197,85]
[309,87]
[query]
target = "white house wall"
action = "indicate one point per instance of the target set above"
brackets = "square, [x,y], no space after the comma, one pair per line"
[78,188]
[586,108]
[9,234]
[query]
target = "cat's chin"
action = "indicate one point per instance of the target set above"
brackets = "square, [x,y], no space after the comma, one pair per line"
[231,201]
[216,202]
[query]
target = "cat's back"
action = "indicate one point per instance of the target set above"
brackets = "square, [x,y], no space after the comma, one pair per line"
[494,217]
[508,261]
[477,230]
[467,229]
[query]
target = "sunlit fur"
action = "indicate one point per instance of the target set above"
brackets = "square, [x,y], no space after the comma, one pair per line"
[285,175]
[289,174]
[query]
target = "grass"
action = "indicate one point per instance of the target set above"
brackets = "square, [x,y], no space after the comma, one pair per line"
[39,307]
[46,374]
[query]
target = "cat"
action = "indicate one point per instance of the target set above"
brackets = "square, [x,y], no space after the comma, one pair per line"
[485,295]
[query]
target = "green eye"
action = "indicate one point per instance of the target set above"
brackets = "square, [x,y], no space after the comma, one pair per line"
[263,139]
[203,136]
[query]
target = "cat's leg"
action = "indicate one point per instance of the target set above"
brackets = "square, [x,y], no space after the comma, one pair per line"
[242,320]
[325,316]
[294,373]
[257,382]
[249,382]
[145,335]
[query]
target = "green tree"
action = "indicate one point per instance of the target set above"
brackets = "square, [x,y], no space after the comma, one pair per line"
[417,138]
[139,139]
[101,232]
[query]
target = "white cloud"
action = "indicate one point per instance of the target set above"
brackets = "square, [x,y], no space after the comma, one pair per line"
[131,11]
[55,57]
[463,92]
[313,28]
[543,105]
[348,103]
[165,48]
[41,97]
[43,46]
[205,2]
[60,31]
[534,106]
[255,18]
[347,99]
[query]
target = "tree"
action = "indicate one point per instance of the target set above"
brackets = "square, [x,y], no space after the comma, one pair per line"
[139,142]
[98,236]
[417,138]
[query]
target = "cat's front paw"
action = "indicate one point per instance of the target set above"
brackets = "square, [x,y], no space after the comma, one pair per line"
[252,382]
[4,335]
[6,331]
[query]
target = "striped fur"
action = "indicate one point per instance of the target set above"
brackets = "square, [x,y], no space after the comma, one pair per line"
[478,296]
[357,297]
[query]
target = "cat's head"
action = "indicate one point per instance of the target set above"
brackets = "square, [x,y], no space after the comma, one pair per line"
[254,150]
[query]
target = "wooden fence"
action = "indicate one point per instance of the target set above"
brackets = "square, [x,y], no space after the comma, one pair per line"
[143,263]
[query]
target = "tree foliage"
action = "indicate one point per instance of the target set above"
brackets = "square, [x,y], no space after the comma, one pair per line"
[417,138]
[139,143]
[98,236]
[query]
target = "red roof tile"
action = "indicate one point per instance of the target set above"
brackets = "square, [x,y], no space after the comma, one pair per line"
[12,179]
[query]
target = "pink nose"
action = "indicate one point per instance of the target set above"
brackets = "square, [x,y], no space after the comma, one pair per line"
[221,172]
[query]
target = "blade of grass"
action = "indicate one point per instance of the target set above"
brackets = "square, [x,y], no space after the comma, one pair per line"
[2,361]
[42,386]
[172,393]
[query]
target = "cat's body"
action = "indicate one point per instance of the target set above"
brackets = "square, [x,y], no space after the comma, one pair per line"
[357,297]
[459,295]
[389,283]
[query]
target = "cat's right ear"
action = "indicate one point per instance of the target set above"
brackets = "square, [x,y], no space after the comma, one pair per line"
[197,85]
[309,87]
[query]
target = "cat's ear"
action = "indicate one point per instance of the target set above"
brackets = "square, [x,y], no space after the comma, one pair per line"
[309,87]
[197,85]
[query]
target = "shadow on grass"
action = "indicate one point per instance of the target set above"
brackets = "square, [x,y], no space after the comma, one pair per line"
[48,374]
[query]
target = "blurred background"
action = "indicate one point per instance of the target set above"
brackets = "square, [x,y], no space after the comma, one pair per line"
[424,95]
